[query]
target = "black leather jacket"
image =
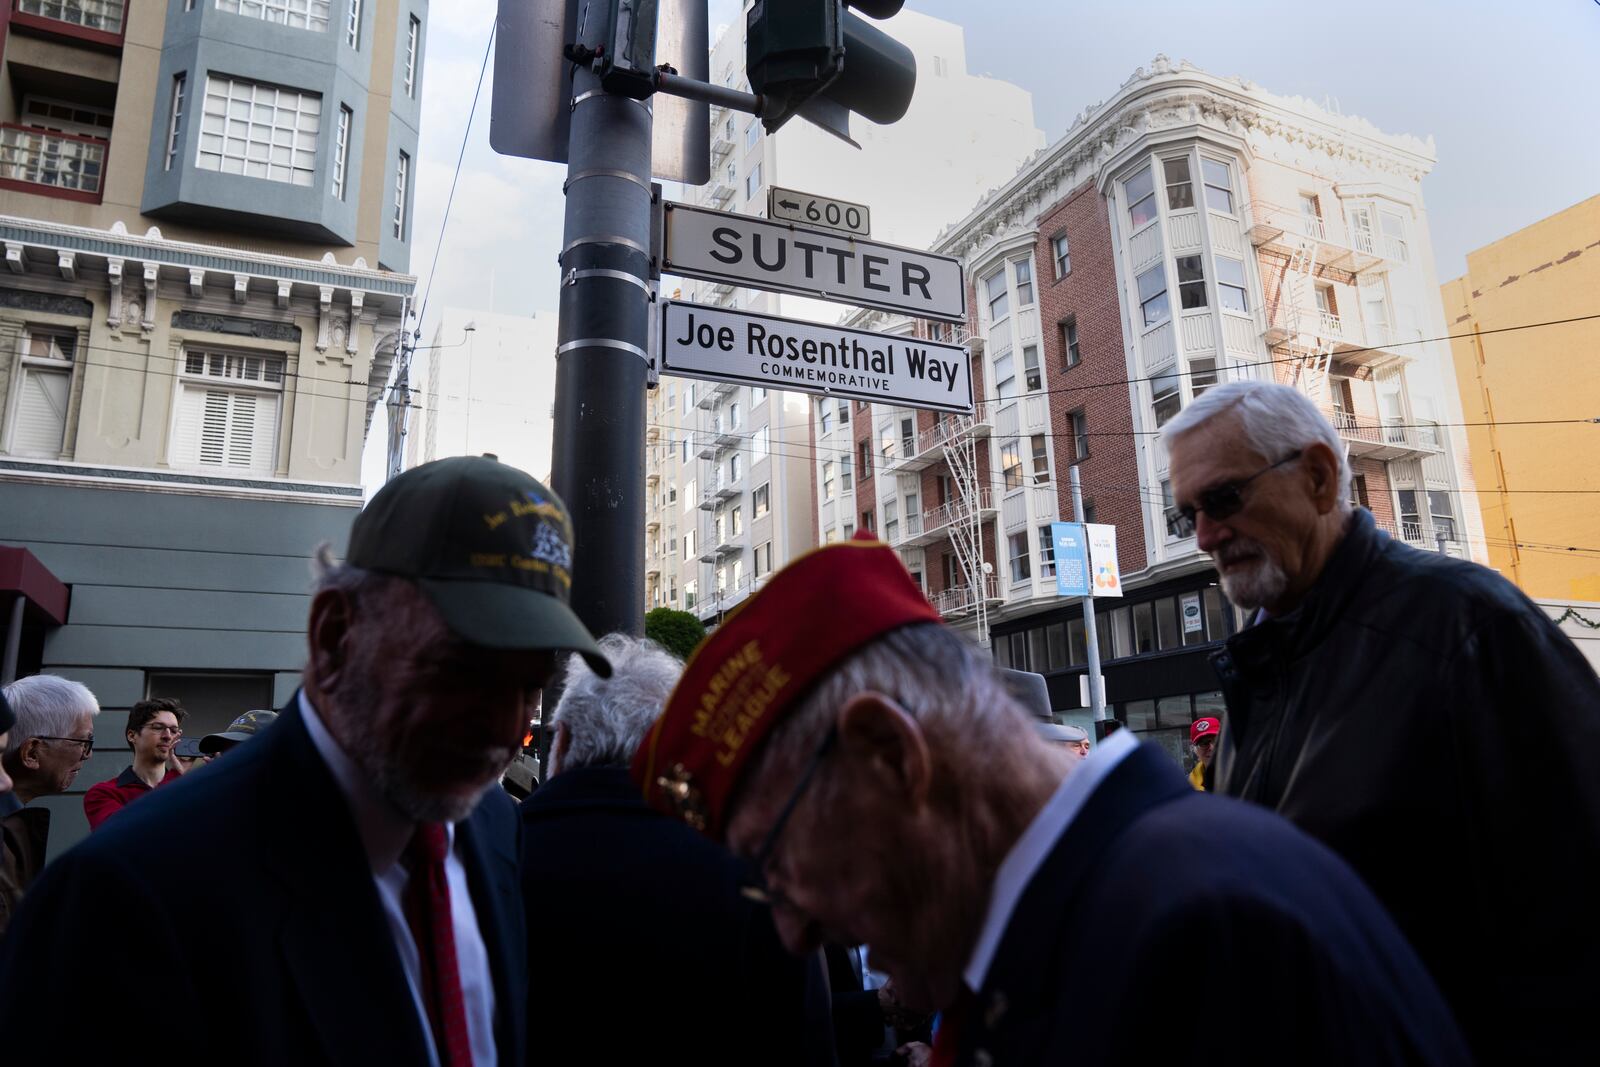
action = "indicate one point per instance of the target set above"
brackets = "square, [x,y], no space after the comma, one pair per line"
[1426,721]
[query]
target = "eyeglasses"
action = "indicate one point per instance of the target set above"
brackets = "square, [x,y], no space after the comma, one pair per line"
[163,728]
[86,742]
[1220,501]
[761,891]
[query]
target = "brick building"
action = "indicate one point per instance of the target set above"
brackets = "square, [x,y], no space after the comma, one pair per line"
[1191,230]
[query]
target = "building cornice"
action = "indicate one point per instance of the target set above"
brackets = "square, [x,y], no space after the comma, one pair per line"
[151,248]
[1157,103]
[184,483]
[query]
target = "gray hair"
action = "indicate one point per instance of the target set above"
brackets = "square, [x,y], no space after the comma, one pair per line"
[1275,419]
[942,680]
[46,706]
[607,718]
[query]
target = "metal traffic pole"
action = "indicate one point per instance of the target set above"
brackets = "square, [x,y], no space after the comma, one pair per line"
[601,354]
[1091,634]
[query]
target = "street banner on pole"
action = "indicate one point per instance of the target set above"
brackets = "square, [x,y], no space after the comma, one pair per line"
[720,246]
[1072,558]
[1103,559]
[723,345]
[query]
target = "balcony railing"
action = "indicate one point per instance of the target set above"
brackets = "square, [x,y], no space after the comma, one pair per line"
[963,598]
[104,16]
[33,157]
[961,507]
[1390,437]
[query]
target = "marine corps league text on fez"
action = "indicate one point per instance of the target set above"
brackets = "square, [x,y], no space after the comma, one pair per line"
[846,355]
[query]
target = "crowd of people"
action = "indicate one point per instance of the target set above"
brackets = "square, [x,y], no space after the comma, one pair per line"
[838,835]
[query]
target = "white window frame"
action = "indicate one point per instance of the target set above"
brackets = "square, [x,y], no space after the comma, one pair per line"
[28,360]
[1147,173]
[1208,186]
[1021,557]
[402,177]
[352,25]
[1022,275]
[234,373]
[288,154]
[413,51]
[1061,252]
[175,118]
[341,150]
[310,15]
[761,500]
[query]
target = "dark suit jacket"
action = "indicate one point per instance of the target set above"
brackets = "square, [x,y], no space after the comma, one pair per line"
[643,948]
[1174,927]
[247,927]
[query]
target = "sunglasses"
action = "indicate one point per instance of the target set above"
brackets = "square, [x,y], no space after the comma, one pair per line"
[1220,501]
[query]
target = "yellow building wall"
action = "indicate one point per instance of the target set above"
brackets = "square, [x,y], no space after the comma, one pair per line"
[1546,272]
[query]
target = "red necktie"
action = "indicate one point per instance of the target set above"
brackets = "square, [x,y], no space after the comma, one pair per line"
[947,1042]
[426,902]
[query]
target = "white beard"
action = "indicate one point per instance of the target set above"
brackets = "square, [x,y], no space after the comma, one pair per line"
[1255,584]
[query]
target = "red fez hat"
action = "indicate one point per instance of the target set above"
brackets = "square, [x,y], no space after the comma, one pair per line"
[758,664]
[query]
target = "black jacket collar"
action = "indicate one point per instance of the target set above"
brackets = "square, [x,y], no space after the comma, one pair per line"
[586,789]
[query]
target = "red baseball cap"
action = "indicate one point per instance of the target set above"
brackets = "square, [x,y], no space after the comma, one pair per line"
[760,662]
[1204,728]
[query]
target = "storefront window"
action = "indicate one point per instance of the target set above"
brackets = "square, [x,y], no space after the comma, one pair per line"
[1144,629]
[1167,623]
[1055,637]
[1216,628]
[1077,646]
[1120,626]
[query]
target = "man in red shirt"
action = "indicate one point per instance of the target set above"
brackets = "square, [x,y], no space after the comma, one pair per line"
[154,727]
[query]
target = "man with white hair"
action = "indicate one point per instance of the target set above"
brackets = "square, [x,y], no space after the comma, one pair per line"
[50,743]
[1415,712]
[890,791]
[635,916]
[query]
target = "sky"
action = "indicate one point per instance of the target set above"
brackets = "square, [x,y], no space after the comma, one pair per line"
[1507,91]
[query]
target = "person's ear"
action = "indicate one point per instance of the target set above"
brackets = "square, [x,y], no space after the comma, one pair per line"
[28,754]
[1321,465]
[558,749]
[328,635]
[876,733]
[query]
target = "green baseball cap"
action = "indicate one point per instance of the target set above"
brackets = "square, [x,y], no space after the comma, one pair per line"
[490,548]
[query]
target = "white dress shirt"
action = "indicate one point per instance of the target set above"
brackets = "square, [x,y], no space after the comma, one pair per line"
[385,832]
[1035,844]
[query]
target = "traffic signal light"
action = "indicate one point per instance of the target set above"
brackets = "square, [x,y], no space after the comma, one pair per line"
[816,59]
[627,56]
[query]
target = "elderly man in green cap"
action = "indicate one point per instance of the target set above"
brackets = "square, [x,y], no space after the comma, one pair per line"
[360,902]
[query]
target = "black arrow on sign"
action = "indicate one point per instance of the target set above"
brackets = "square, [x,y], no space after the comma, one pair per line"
[790,204]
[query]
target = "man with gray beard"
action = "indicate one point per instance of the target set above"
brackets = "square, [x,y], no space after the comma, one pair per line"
[1415,712]
[358,900]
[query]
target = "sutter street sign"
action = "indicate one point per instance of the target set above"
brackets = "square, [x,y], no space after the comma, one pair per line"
[742,250]
[698,341]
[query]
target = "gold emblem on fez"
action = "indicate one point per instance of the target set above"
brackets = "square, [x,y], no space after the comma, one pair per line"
[687,803]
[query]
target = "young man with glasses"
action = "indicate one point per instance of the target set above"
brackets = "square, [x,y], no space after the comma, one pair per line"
[154,727]
[1411,710]
[48,745]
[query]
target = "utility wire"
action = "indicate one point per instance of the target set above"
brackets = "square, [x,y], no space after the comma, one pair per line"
[451,199]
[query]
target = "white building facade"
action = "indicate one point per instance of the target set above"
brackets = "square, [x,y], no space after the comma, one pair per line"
[1192,229]
[757,462]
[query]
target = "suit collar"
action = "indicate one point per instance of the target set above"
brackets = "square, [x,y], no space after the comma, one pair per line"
[335,937]
[494,877]
[1037,841]
[586,788]
[1143,780]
